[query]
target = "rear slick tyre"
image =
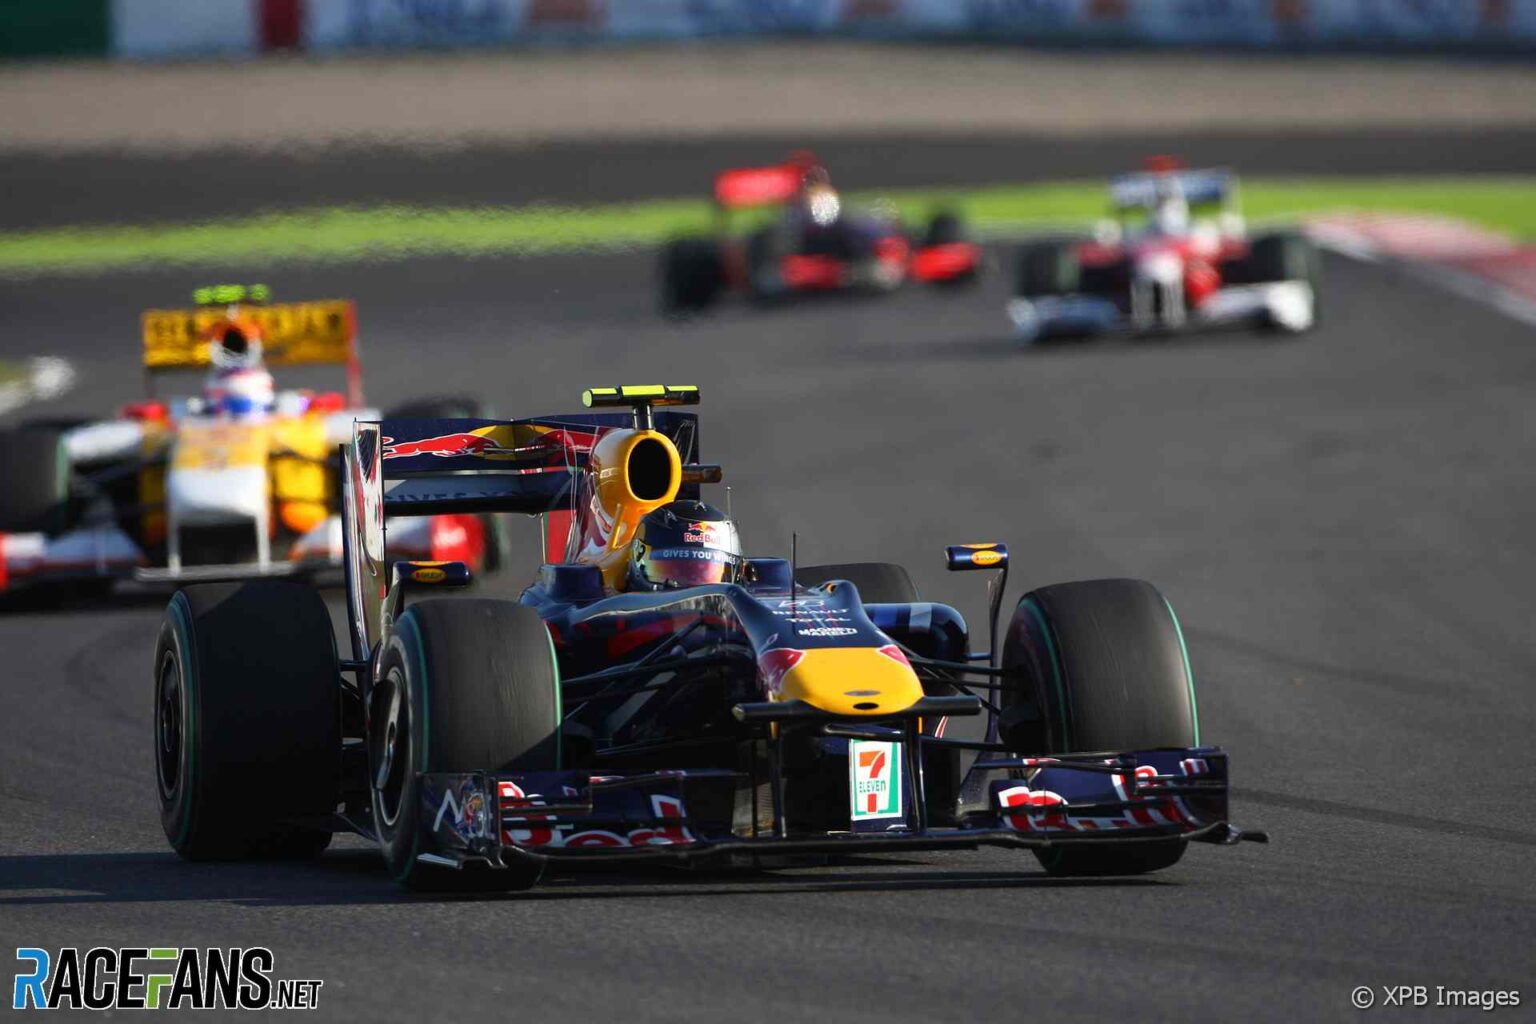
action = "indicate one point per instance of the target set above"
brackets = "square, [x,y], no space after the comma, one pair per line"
[247,721]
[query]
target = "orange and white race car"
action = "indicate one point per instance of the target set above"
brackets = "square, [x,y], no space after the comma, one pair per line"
[238,480]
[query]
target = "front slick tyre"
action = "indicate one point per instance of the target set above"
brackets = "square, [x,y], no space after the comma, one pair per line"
[1098,665]
[247,721]
[692,276]
[464,686]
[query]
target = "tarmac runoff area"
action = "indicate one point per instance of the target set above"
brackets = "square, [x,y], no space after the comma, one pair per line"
[799,87]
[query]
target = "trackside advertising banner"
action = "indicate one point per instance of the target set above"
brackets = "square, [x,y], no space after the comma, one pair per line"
[155,28]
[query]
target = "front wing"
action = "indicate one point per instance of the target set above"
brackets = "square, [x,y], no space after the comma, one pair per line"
[491,818]
[1286,304]
[888,268]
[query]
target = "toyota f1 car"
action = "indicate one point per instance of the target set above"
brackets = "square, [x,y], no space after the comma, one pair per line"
[240,480]
[784,711]
[1175,257]
[813,246]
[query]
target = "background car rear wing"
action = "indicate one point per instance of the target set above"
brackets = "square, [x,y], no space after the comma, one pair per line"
[320,333]
[744,187]
[1214,186]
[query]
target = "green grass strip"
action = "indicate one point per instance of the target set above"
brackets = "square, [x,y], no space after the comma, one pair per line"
[379,233]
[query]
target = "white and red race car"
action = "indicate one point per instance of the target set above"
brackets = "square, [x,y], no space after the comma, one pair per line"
[1175,256]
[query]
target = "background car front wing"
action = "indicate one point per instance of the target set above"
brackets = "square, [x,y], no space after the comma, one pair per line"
[1288,302]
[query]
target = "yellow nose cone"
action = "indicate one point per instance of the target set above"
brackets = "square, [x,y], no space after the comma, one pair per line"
[853,681]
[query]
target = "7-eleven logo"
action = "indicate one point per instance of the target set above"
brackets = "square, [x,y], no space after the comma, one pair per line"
[874,779]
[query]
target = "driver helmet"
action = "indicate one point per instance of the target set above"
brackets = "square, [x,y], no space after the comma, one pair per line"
[238,385]
[1170,215]
[684,544]
[820,199]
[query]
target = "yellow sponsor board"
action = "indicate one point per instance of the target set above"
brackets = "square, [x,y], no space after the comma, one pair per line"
[292,334]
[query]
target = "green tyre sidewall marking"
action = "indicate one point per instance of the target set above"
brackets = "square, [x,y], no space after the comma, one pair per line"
[1189,674]
[181,632]
[61,458]
[559,701]
[1057,676]
[426,732]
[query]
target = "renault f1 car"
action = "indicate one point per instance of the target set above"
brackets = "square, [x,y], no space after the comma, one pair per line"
[239,480]
[787,710]
[812,246]
[1176,257]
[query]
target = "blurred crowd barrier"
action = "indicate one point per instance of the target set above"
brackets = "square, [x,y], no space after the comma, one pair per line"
[179,28]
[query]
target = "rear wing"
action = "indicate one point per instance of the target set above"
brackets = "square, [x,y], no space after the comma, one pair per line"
[440,466]
[1214,186]
[416,467]
[758,186]
[292,334]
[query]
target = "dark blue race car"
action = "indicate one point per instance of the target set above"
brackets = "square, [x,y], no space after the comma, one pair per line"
[658,693]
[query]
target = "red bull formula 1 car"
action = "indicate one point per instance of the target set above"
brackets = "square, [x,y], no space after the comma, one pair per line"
[782,710]
[237,480]
[1176,257]
[813,246]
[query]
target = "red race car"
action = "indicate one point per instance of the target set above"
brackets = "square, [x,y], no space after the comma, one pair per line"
[814,244]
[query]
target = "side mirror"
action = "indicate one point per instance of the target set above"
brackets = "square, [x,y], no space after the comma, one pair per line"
[430,574]
[572,582]
[772,574]
[964,557]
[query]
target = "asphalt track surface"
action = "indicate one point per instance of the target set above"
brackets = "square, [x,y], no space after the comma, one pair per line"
[1342,521]
[47,189]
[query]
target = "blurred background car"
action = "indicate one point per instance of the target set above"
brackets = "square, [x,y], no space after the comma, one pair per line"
[1175,256]
[812,244]
[237,481]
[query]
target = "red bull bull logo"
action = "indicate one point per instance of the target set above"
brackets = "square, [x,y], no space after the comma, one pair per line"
[500,441]
[447,446]
[775,664]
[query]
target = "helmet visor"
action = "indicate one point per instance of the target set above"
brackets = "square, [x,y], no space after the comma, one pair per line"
[687,567]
